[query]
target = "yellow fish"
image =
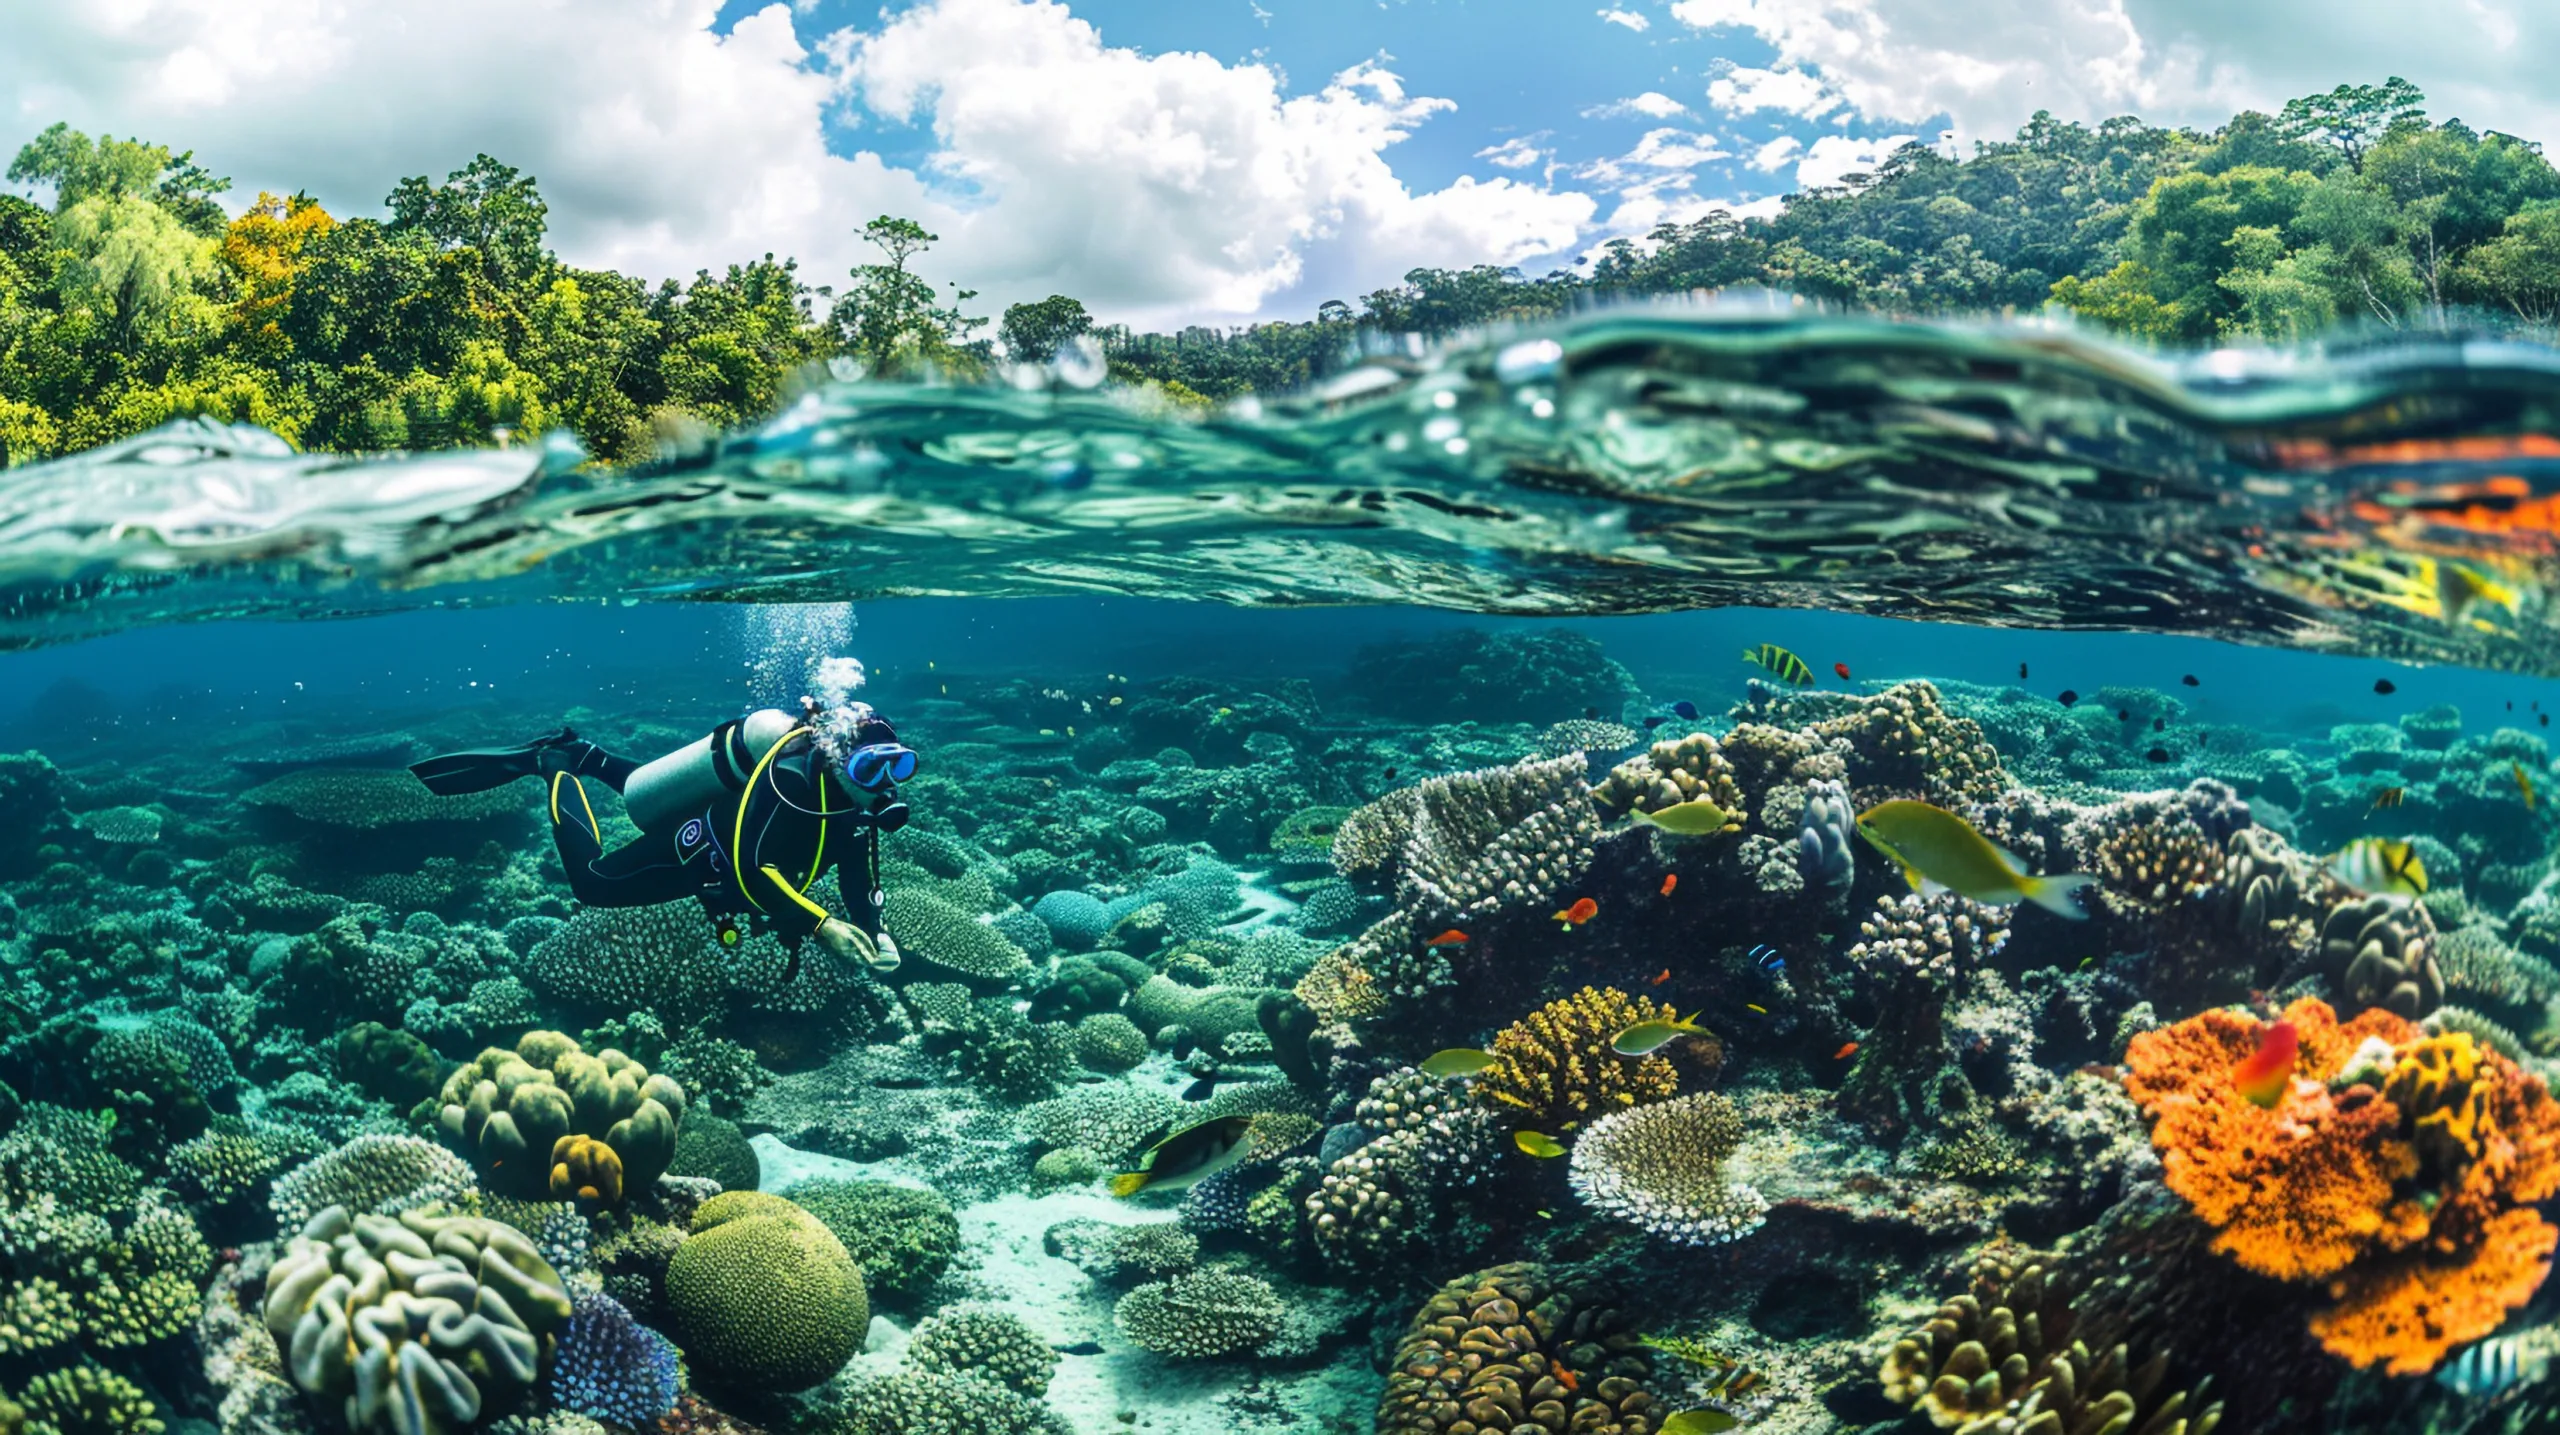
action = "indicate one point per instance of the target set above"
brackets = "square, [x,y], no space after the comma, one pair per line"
[1695,818]
[1786,667]
[2458,587]
[2524,784]
[1538,1144]
[1647,1037]
[1938,850]
[2378,864]
[1459,1061]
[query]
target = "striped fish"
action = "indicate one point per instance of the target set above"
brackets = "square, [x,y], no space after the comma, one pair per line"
[1786,667]
[2388,797]
[2493,1367]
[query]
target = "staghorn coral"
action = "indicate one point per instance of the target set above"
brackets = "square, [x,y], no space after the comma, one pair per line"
[1200,1315]
[413,1323]
[988,1341]
[507,1111]
[1512,1348]
[1554,1069]
[376,1175]
[2407,1188]
[1470,843]
[763,1296]
[1676,770]
[1936,938]
[1661,1168]
[2380,952]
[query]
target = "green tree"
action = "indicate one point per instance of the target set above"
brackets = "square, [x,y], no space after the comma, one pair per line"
[2351,119]
[1033,333]
[891,319]
[2520,269]
[80,168]
[129,260]
[489,208]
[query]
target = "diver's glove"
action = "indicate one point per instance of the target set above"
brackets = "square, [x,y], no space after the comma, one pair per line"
[850,945]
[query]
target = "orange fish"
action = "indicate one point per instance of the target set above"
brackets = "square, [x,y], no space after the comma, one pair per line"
[2263,1077]
[1660,977]
[1449,938]
[1582,910]
[1669,881]
[1842,669]
[1845,1052]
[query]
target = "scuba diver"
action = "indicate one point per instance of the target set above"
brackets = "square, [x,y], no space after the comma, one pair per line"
[745,819]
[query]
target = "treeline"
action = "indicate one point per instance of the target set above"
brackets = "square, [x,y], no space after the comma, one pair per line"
[135,298]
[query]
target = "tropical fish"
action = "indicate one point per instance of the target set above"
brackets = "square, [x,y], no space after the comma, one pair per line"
[2190,681]
[2159,724]
[2157,754]
[2022,672]
[1842,669]
[1768,960]
[1694,818]
[2379,864]
[1786,667]
[1670,882]
[1582,910]
[2067,697]
[1658,978]
[1389,774]
[1937,849]
[2546,719]
[1686,709]
[2263,1075]
[1705,1420]
[2494,1367]
[2385,686]
[1203,1087]
[1449,938]
[2124,715]
[1647,1037]
[1755,1008]
[1458,1061]
[1654,721]
[1187,1156]
[1537,1143]
[2387,797]
[1847,1050]
[2457,588]
[2524,784]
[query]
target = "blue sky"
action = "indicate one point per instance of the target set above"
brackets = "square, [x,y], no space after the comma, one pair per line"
[1173,161]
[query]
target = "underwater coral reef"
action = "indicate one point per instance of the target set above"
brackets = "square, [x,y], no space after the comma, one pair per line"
[1299,1056]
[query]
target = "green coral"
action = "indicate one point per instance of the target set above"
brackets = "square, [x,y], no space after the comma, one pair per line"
[66,1154]
[388,1065]
[763,1296]
[988,1341]
[366,799]
[949,944]
[1109,1043]
[903,1237]
[610,961]
[414,1324]
[381,1175]
[909,1401]
[87,1400]
[1114,1121]
[1201,1315]
[713,1147]
[507,1109]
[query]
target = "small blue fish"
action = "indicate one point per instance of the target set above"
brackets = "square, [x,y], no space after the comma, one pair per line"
[1655,721]
[1686,709]
[1769,961]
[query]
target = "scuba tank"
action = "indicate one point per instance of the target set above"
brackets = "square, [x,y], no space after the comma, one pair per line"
[662,794]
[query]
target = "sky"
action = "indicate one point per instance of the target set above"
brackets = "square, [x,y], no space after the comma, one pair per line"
[1183,161]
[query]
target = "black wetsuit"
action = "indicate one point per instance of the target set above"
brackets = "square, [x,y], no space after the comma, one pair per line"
[750,856]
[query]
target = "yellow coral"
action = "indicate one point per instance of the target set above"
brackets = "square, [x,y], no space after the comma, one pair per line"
[2437,1085]
[1554,1067]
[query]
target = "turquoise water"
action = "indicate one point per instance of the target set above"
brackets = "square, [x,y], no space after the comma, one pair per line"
[1265,757]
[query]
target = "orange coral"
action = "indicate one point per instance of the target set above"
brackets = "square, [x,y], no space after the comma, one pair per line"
[2405,1314]
[2329,1184]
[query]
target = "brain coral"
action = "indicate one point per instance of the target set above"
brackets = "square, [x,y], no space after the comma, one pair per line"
[416,1323]
[507,1112]
[2397,1167]
[1511,1349]
[763,1296]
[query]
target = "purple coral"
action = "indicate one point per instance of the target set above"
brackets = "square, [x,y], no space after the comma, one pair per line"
[611,1367]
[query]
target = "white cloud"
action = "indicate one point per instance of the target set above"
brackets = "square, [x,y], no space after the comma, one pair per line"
[1513,153]
[1777,153]
[1153,186]
[1652,105]
[1629,18]
[1741,90]
[1165,183]
[1833,158]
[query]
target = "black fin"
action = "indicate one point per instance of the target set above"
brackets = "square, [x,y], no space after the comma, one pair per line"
[455,774]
